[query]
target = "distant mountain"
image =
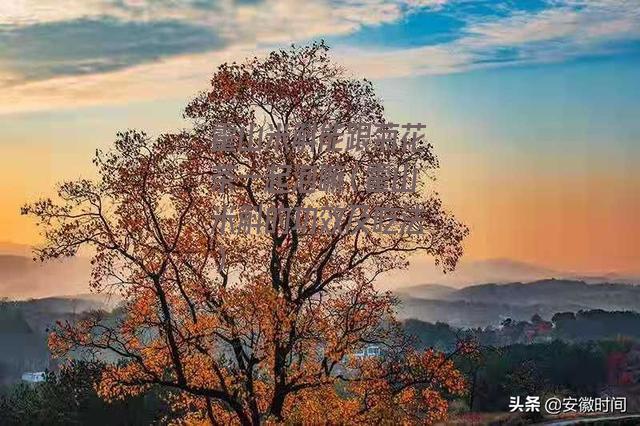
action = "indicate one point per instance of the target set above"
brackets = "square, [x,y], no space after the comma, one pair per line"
[427,291]
[467,272]
[21,277]
[8,247]
[606,278]
[465,314]
[76,303]
[608,296]
[499,271]
[24,327]
[489,304]
[504,270]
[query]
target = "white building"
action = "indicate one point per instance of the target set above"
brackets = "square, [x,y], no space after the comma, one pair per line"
[369,351]
[33,376]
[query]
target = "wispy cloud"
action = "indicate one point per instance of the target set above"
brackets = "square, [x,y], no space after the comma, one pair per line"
[68,52]
[93,45]
[177,77]
[48,39]
[576,25]
[562,31]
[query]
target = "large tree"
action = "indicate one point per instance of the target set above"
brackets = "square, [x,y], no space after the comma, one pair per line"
[255,327]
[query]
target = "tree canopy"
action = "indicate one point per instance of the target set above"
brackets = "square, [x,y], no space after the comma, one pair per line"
[255,327]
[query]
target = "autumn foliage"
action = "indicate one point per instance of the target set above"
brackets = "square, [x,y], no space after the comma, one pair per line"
[269,334]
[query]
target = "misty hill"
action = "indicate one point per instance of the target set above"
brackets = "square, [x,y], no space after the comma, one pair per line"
[40,314]
[489,304]
[21,277]
[499,271]
[607,296]
[465,314]
[427,291]
[23,347]
[24,325]
[469,272]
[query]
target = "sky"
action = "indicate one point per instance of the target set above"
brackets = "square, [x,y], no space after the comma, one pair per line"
[532,106]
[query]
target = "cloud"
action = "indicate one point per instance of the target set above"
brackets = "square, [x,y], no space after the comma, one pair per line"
[438,59]
[562,31]
[47,39]
[106,51]
[89,46]
[177,77]
[594,21]
[64,52]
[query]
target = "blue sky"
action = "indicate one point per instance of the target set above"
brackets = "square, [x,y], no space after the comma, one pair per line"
[530,104]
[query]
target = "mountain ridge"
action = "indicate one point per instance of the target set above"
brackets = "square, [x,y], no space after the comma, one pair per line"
[488,304]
